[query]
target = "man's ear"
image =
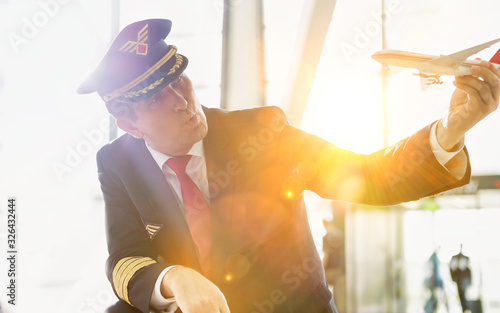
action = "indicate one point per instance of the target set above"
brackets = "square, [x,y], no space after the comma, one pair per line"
[128,126]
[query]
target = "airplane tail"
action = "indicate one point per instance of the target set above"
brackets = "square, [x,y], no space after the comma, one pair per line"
[496,58]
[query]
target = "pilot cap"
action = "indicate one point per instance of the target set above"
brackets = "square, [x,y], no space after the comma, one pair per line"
[137,65]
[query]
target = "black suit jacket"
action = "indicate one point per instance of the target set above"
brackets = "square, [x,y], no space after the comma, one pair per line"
[459,269]
[264,257]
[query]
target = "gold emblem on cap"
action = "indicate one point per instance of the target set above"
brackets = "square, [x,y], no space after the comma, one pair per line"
[139,46]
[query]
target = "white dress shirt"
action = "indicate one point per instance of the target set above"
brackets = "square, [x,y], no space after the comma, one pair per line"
[197,170]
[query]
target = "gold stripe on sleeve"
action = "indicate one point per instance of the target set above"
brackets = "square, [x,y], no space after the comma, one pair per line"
[124,271]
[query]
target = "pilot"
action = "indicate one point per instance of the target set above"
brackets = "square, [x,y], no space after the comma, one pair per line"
[204,207]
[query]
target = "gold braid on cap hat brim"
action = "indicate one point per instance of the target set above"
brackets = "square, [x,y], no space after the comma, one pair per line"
[132,94]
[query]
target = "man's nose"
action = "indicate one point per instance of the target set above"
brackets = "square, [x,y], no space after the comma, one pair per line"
[179,103]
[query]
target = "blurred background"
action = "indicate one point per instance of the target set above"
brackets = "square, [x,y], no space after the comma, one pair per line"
[312,58]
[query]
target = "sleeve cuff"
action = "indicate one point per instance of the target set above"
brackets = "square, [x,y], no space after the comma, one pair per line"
[158,302]
[441,155]
[458,167]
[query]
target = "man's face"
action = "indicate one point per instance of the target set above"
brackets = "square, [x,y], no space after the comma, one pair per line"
[171,120]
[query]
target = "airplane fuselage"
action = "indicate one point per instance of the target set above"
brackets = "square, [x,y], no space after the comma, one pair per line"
[422,62]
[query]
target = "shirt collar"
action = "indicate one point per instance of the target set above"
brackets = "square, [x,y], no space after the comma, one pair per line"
[160,158]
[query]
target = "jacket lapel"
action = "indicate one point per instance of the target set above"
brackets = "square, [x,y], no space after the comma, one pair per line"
[159,197]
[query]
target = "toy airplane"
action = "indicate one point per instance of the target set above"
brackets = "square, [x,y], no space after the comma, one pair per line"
[431,67]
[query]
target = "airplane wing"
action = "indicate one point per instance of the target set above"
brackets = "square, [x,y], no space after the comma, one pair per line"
[427,79]
[457,58]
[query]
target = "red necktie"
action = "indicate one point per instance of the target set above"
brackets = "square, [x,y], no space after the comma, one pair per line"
[196,209]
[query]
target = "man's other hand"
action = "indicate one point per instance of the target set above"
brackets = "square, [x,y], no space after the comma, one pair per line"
[193,292]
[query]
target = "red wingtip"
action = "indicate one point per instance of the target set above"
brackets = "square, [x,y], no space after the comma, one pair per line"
[496,58]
